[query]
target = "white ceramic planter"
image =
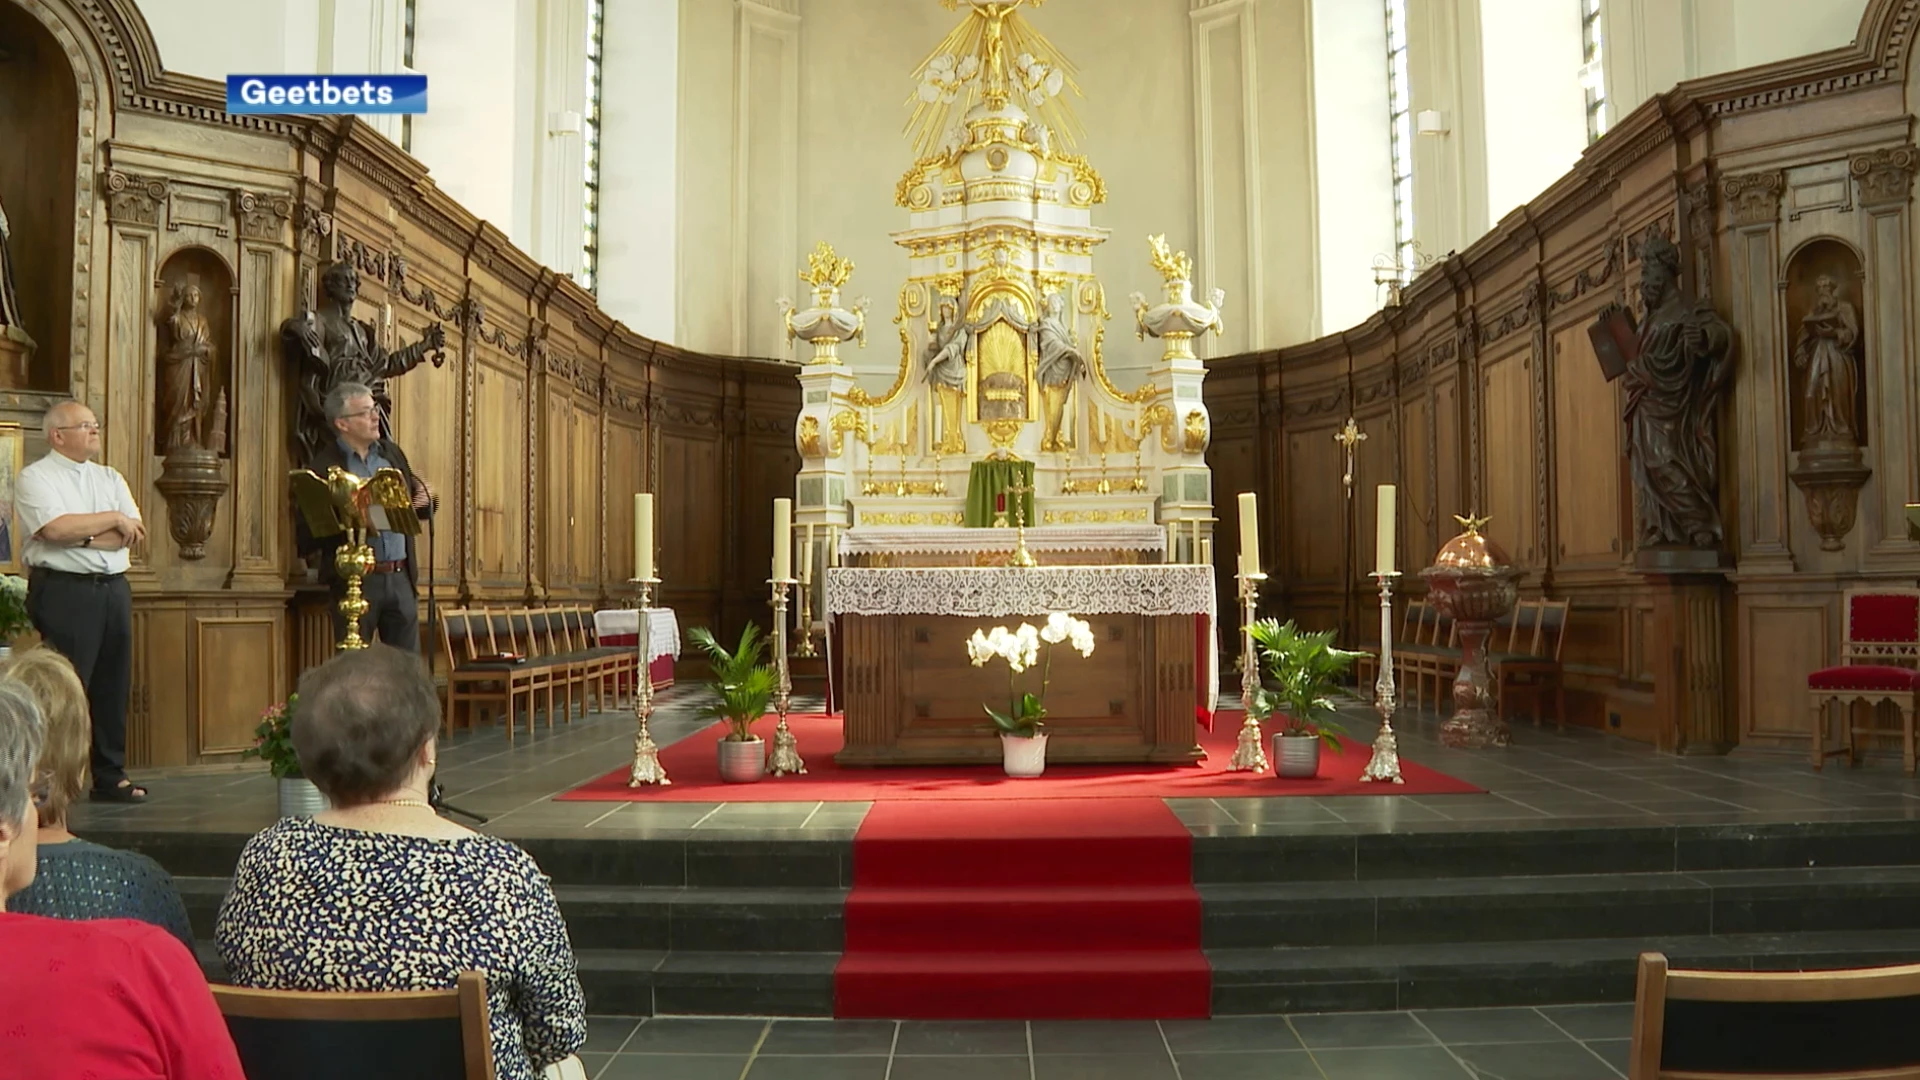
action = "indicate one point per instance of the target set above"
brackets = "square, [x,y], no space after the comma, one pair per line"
[1296,755]
[742,762]
[1024,758]
[299,798]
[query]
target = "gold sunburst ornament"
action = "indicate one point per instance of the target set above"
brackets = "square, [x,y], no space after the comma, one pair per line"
[996,57]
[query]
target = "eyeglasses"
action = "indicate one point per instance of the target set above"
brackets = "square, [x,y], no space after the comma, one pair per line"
[357,415]
[91,425]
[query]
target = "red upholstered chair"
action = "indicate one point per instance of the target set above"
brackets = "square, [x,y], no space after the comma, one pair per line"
[1877,664]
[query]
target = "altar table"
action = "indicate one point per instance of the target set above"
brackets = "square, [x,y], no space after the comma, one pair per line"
[621,626]
[1053,545]
[898,668]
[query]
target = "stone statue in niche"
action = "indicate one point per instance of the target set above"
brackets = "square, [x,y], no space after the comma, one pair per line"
[12,325]
[1060,364]
[184,369]
[1678,364]
[1824,349]
[330,346]
[947,373]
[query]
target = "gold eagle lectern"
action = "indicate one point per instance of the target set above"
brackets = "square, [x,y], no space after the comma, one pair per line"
[345,503]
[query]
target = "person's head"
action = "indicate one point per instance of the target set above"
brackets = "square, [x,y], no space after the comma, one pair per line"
[1826,286]
[350,409]
[21,733]
[365,725]
[342,282]
[60,773]
[187,296]
[71,430]
[1659,270]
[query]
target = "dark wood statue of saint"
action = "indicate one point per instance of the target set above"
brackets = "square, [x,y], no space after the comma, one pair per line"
[184,370]
[330,346]
[1678,364]
[1824,349]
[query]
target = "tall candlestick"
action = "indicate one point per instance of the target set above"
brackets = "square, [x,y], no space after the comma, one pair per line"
[1383,532]
[782,539]
[643,535]
[1249,533]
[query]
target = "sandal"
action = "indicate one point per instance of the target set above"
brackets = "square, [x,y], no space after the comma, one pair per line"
[125,792]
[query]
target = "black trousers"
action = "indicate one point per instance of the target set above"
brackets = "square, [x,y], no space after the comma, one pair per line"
[393,611]
[89,619]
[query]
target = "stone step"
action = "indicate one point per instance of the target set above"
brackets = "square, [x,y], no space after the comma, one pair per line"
[1436,911]
[1252,854]
[650,919]
[1346,978]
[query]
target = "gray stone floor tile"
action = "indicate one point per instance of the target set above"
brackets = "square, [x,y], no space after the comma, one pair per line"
[971,1067]
[1390,1063]
[840,1038]
[1613,1020]
[769,1067]
[1616,1052]
[674,1067]
[1563,1060]
[609,1033]
[1229,1033]
[1458,1026]
[697,1035]
[1317,1030]
[1248,1065]
[1097,1037]
[1103,1067]
[941,1037]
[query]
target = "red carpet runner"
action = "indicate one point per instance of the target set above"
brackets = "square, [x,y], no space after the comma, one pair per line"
[1023,910]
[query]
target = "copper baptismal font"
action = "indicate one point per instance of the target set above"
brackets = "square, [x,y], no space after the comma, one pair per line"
[1473,583]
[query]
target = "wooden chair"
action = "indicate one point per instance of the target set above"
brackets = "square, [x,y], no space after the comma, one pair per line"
[622,661]
[1753,1025]
[474,678]
[419,1034]
[1366,668]
[602,665]
[1529,668]
[1418,629]
[1877,664]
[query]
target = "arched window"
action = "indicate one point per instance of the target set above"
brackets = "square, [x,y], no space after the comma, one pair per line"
[1593,71]
[589,273]
[1400,130]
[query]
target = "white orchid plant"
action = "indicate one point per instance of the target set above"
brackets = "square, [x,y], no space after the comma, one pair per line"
[1021,650]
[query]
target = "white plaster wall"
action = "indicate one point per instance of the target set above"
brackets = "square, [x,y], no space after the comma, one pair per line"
[1653,44]
[1534,109]
[640,166]
[1352,158]
[266,37]
[471,135]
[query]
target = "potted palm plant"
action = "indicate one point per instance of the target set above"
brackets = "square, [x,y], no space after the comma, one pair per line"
[273,743]
[1023,745]
[1306,671]
[742,689]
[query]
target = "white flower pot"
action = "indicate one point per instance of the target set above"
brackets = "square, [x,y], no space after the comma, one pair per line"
[1296,755]
[742,762]
[1025,758]
[299,798]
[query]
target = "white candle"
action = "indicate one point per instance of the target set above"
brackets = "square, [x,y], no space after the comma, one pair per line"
[1383,531]
[782,539]
[1249,533]
[643,535]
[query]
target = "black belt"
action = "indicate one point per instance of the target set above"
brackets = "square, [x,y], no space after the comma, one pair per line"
[68,575]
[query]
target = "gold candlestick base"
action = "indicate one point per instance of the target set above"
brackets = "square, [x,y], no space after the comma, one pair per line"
[785,759]
[646,756]
[1250,753]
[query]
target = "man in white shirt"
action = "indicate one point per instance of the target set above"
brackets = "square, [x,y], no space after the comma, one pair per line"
[79,518]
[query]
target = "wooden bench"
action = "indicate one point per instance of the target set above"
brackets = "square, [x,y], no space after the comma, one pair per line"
[557,655]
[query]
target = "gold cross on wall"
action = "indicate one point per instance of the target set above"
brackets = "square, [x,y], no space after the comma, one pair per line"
[1349,437]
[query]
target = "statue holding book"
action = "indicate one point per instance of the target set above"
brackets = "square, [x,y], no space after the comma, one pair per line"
[1677,362]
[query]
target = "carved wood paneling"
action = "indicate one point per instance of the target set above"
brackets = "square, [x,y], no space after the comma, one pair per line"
[239,664]
[1506,389]
[1586,456]
[1782,639]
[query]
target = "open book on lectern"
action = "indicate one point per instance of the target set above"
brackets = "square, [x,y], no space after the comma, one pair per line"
[344,501]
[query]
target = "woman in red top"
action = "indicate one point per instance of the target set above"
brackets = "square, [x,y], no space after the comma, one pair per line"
[110,997]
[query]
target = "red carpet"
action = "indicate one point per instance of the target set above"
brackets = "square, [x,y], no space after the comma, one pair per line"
[1023,909]
[694,770]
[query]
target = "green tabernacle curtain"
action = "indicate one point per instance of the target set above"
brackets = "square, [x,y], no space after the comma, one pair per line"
[987,481]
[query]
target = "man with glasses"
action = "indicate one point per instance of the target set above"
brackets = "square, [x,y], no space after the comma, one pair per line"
[80,519]
[393,610]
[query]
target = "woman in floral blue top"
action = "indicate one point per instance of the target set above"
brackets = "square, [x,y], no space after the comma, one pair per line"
[381,893]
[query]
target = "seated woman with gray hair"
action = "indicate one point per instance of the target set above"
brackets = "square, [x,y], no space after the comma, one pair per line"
[103,997]
[78,879]
[381,893]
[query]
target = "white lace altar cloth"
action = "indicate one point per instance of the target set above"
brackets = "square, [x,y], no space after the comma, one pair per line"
[960,540]
[995,591]
[621,626]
